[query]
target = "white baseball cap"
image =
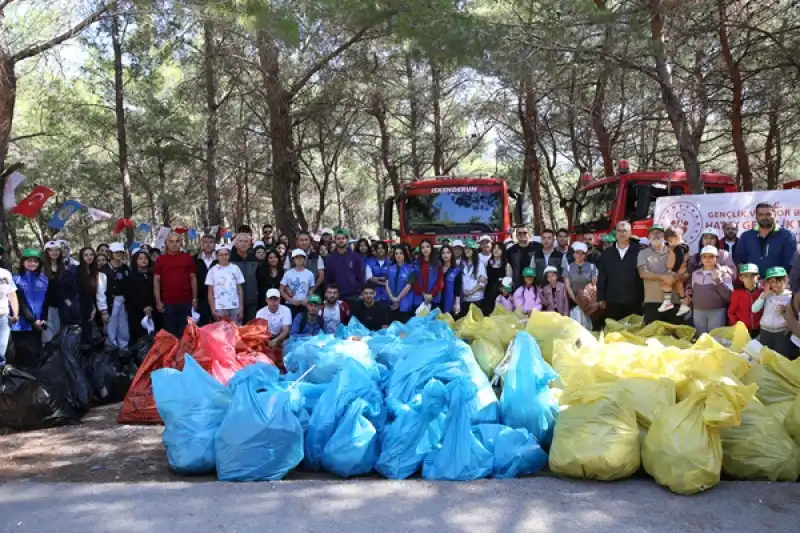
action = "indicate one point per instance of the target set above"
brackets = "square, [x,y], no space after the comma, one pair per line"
[116,247]
[222,247]
[579,247]
[550,269]
[273,293]
[297,252]
[323,231]
[62,242]
[259,243]
[374,238]
[710,231]
[709,250]
[137,250]
[507,282]
[485,238]
[51,244]
[458,242]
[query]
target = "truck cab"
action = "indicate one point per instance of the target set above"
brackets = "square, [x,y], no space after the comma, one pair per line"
[600,203]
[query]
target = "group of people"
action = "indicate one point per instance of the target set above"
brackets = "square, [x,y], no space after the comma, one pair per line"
[313,284]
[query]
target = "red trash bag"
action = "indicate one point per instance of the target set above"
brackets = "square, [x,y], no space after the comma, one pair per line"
[253,336]
[139,406]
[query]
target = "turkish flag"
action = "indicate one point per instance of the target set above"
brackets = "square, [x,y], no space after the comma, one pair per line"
[33,203]
[122,224]
[180,230]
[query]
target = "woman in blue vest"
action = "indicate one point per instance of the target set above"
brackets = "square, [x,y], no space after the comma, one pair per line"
[427,276]
[451,276]
[26,333]
[399,279]
[376,267]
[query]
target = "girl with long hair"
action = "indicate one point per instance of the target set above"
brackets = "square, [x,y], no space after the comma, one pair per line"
[89,279]
[269,275]
[495,272]
[474,278]
[427,276]
[139,297]
[399,279]
[62,300]
[451,281]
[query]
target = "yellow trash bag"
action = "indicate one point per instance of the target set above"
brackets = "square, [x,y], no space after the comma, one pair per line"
[505,326]
[792,421]
[664,329]
[596,436]
[759,448]
[734,337]
[780,410]
[778,379]
[683,344]
[546,327]
[683,449]
[447,318]
[488,355]
[468,326]
[631,324]
[650,397]
[623,336]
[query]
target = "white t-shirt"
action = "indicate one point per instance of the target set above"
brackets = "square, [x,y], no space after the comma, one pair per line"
[225,281]
[299,283]
[484,259]
[468,282]
[331,318]
[7,286]
[282,317]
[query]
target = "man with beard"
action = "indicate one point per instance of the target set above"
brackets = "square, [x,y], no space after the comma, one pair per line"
[768,245]
[562,245]
[731,237]
[345,269]
[245,259]
[520,255]
[547,256]
[314,262]
[326,238]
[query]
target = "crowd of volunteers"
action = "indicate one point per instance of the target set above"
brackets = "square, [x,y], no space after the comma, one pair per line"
[313,284]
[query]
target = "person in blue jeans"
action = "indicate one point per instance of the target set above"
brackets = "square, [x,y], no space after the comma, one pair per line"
[8,302]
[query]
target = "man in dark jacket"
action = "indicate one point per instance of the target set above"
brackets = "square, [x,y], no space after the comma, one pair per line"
[345,268]
[520,255]
[547,256]
[203,262]
[370,312]
[244,258]
[619,287]
[730,238]
[767,246]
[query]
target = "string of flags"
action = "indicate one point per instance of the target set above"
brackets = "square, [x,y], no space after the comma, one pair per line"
[32,204]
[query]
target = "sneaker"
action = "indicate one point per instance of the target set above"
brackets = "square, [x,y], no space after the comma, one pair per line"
[683,310]
[666,306]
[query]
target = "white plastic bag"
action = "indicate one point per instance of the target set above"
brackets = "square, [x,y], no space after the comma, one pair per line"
[195,315]
[580,317]
[148,325]
[423,309]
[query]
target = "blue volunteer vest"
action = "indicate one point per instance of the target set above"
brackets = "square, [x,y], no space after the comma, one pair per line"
[34,286]
[433,275]
[449,290]
[398,277]
[379,271]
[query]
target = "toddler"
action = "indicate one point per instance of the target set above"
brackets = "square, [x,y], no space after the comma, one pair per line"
[677,262]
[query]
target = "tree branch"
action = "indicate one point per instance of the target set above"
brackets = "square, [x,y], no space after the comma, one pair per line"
[29,136]
[35,50]
[4,3]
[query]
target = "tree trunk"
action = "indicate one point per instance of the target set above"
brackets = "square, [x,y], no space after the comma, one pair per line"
[413,119]
[279,103]
[772,146]
[119,108]
[737,132]
[212,122]
[604,141]
[672,103]
[8,94]
[531,168]
[379,111]
[436,104]
[166,214]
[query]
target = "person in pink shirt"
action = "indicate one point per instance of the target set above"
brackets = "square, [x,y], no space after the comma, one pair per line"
[526,297]
[505,298]
[553,293]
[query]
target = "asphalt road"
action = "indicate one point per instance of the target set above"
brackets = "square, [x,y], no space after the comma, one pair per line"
[530,505]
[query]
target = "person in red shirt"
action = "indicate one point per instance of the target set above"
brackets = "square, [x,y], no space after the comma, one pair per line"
[742,299]
[428,280]
[175,286]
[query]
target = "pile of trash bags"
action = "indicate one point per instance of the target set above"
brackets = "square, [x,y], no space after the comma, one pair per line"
[409,399]
[57,383]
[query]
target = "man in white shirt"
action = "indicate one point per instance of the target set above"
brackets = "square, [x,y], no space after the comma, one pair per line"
[278,317]
[202,264]
[334,311]
[8,298]
[297,283]
[225,288]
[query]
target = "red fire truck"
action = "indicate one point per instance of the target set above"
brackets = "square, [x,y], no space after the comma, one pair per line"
[453,208]
[600,203]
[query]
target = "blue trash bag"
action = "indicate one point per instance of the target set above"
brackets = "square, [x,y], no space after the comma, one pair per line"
[192,405]
[324,356]
[416,431]
[311,393]
[352,382]
[461,456]
[354,328]
[515,451]
[261,437]
[485,407]
[526,400]
[352,450]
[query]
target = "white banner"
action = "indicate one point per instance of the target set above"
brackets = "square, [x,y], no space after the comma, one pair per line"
[12,182]
[161,237]
[696,212]
[98,215]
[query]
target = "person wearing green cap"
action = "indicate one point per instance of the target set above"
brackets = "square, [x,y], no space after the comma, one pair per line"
[8,300]
[506,296]
[526,297]
[31,286]
[743,298]
[773,304]
[309,322]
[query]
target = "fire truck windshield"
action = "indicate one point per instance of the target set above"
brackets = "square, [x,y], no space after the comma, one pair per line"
[445,212]
[593,207]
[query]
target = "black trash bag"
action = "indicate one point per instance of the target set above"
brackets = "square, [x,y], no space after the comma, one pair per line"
[68,345]
[28,402]
[25,349]
[110,372]
[141,348]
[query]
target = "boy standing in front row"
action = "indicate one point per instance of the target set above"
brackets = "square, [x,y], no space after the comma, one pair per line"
[225,283]
[742,300]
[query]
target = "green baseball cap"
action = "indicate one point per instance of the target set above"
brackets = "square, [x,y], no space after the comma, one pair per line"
[31,253]
[528,272]
[342,231]
[656,227]
[608,238]
[471,244]
[314,299]
[748,268]
[775,272]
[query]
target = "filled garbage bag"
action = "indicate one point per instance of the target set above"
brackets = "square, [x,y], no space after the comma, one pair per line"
[683,448]
[323,356]
[487,354]
[461,456]
[352,382]
[79,391]
[792,421]
[352,450]
[28,402]
[110,371]
[659,328]
[526,400]
[546,327]
[354,328]
[596,436]
[631,323]
[192,405]
[415,432]
[141,348]
[515,452]
[261,436]
[777,377]
[759,448]
[733,337]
